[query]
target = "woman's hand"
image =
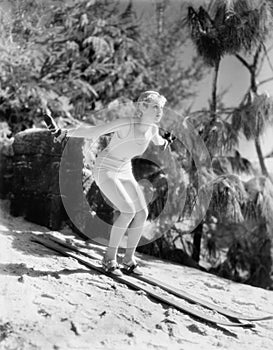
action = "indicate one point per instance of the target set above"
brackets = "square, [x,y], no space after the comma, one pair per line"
[169,139]
[58,133]
[169,136]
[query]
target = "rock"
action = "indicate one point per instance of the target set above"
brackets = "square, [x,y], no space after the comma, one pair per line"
[5,330]
[75,328]
[196,329]
[102,314]
[21,279]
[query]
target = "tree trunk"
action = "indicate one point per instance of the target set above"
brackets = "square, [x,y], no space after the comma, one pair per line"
[197,233]
[257,142]
[260,156]
[196,249]
[254,88]
[213,106]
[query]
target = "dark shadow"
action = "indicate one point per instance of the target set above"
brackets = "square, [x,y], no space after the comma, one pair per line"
[22,269]
[23,244]
[143,169]
[225,331]
[22,241]
[194,329]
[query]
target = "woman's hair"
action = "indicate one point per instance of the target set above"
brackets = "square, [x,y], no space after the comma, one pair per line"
[152,96]
[149,97]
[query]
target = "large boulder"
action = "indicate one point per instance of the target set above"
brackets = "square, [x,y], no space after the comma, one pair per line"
[35,186]
[6,170]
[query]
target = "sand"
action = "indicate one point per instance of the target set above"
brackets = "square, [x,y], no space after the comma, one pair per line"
[52,302]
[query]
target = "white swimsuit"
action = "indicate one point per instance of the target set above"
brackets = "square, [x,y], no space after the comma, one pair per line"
[115,160]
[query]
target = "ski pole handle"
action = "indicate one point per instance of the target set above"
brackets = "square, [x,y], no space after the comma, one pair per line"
[169,137]
[58,133]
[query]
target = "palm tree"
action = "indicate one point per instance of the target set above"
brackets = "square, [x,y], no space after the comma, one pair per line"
[228,27]
[225,27]
[255,112]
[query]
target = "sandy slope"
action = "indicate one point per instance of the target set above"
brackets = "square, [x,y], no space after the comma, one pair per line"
[51,302]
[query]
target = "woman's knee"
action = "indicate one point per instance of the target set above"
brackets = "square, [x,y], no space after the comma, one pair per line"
[128,212]
[141,215]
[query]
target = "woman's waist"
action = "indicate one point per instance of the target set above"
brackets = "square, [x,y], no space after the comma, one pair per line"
[114,156]
[107,160]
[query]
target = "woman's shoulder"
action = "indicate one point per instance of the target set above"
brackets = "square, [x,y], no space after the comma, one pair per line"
[124,127]
[121,121]
[119,124]
[126,121]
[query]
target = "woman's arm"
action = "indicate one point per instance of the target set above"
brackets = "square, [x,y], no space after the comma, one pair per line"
[99,130]
[167,139]
[157,139]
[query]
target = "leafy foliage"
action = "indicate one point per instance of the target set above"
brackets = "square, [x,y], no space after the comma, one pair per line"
[229,27]
[259,205]
[231,164]
[166,52]
[77,56]
[96,52]
[253,115]
[248,259]
[218,133]
[73,57]
[247,245]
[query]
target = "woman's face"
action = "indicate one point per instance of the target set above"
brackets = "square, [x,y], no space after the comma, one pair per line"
[152,112]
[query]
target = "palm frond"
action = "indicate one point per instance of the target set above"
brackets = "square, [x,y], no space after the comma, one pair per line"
[232,164]
[254,115]
[128,13]
[231,26]
[204,35]
[267,205]
[205,20]
[254,186]
[240,164]
[228,196]
[220,14]
[220,136]
[253,22]
[259,205]
[210,47]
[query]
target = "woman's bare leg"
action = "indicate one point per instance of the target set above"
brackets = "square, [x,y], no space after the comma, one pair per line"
[136,227]
[115,191]
[134,234]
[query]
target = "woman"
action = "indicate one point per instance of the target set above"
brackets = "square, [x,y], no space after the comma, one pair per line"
[113,172]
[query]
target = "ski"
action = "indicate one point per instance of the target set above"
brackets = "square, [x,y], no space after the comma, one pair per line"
[137,285]
[235,316]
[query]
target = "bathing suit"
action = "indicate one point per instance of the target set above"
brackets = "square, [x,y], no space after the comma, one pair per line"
[115,160]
